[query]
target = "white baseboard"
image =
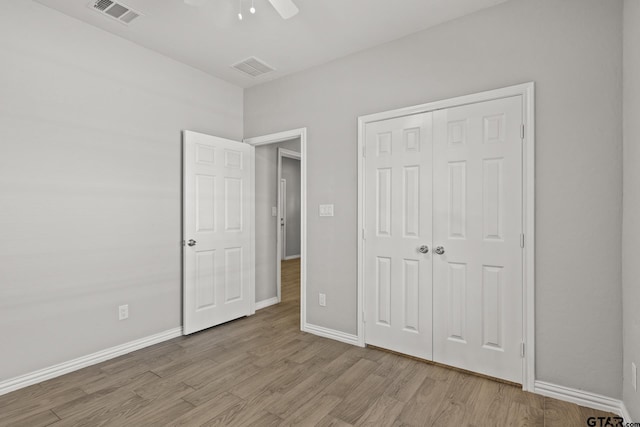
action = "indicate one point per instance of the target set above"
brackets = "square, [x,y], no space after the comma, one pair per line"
[583,398]
[266,303]
[290,257]
[624,413]
[331,333]
[22,381]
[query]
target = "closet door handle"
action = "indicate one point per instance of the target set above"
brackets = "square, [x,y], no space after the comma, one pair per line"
[423,249]
[191,242]
[440,250]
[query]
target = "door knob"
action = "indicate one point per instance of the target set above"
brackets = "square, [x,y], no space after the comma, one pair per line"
[439,250]
[191,242]
[423,249]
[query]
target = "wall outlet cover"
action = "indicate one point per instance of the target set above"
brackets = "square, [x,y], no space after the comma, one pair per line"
[326,210]
[123,312]
[322,300]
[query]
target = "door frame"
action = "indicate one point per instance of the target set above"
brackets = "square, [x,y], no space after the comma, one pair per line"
[281,232]
[272,139]
[527,91]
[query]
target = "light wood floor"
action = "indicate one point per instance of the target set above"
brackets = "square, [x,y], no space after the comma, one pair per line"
[262,371]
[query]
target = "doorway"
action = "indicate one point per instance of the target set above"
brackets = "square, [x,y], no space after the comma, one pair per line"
[280,232]
[289,205]
[446,213]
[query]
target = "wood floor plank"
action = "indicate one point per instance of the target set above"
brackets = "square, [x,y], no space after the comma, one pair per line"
[383,412]
[352,378]
[247,412]
[38,419]
[520,415]
[289,401]
[424,405]
[123,403]
[18,410]
[313,411]
[204,413]
[263,371]
[330,421]
[355,404]
[225,382]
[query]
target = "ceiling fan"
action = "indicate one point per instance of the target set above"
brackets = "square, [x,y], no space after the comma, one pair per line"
[286,8]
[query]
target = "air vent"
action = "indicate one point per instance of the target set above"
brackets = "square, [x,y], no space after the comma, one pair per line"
[253,67]
[115,10]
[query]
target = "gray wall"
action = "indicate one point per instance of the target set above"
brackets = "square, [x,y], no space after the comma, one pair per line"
[90,172]
[572,49]
[291,172]
[631,210]
[266,198]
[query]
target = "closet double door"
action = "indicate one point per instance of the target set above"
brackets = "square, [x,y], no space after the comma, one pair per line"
[443,236]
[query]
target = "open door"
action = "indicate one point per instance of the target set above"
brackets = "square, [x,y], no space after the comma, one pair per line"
[218,203]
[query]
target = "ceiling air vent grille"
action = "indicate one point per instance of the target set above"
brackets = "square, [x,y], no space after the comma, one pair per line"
[115,10]
[253,67]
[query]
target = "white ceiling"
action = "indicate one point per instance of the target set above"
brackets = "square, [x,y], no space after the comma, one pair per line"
[211,37]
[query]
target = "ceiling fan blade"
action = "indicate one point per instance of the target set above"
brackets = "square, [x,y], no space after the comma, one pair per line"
[286,8]
[195,2]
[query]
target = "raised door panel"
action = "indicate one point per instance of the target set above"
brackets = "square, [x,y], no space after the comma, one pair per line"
[411,201]
[205,286]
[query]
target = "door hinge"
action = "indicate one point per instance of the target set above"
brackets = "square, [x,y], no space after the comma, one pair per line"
[364,319]
[184,243]
[522,132]
[364,234]
[364,151]
[521,349]
[522,241]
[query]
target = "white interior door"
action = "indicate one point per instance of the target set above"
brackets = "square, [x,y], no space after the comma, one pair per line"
[478,223]
[218,283]
[398,210]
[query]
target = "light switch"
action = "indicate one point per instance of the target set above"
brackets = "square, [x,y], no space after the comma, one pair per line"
[326,210]
[274,211]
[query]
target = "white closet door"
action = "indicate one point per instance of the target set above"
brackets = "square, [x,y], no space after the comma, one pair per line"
[218,204]
[398,276]
[477,222]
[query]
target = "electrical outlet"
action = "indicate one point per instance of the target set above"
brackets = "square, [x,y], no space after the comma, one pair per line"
[123,312]
[634,376]
[326,210]
[322,300]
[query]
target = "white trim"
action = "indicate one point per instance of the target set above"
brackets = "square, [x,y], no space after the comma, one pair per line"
[528,199]
[266,303]
[362,125]
[285,136]
[582,398]
[252,222]
[525,90]
[289,154]
[506,92]
[290,257]
[281,231]
[84,361]
[331,334]
[277,137]
[624,413]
